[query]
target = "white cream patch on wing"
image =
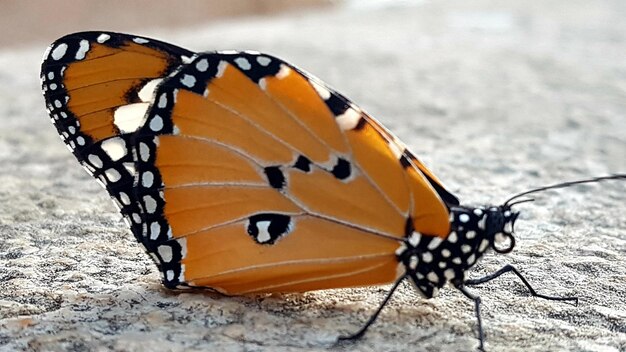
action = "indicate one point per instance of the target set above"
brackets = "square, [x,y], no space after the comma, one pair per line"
[283,72]
[146,94]
[321,90]
[115,148]
[129,118]
[348,120]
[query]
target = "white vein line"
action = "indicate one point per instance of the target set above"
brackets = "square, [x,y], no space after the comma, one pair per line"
[305,213]
[315,279]
[313,135]
[336,260]
[287,112]
[285,194]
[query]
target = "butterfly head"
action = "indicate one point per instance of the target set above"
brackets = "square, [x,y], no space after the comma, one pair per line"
[483,228]
[498,228]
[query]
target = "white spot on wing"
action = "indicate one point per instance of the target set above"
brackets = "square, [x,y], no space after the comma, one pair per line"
[59,51]
[124,198]
[103,38]
[202,65]
[162,101]
[139,40]
[115,148]
[263,60]
[95,161]
[155,230]
[149,203]
[156,124]
[264,233]
[113,175]
[243,63]
[166,253]
[83,47]
[188,80]
[147,178]
[144,151]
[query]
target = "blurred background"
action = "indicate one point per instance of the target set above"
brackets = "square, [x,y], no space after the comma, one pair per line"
[23,22]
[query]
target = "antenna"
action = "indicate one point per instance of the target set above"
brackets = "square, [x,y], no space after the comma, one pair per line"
[564,185]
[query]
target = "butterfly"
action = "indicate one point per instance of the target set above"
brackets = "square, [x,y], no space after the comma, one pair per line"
[242,173]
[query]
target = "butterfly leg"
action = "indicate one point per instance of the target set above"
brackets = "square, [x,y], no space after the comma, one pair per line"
[510,268]
[372,319]
[479,322]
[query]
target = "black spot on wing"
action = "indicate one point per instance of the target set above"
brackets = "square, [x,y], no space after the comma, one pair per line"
[303,164]
[342,169]
[267,228]
[275,177]
[337,104]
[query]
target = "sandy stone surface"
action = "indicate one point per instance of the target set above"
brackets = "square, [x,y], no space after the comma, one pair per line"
[497,97]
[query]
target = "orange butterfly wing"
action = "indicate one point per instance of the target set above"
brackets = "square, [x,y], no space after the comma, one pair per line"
[252,176]
[92,83]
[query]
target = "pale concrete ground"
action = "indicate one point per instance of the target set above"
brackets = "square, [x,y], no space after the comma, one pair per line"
[497,96]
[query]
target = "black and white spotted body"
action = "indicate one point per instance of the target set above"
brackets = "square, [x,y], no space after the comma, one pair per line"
[431,262]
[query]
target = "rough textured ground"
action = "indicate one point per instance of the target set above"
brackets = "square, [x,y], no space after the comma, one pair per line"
[496,97]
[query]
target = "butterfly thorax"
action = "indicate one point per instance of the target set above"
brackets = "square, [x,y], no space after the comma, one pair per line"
[430,262]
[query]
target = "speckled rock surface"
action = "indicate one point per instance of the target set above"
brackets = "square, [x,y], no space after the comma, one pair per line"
[497,97]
